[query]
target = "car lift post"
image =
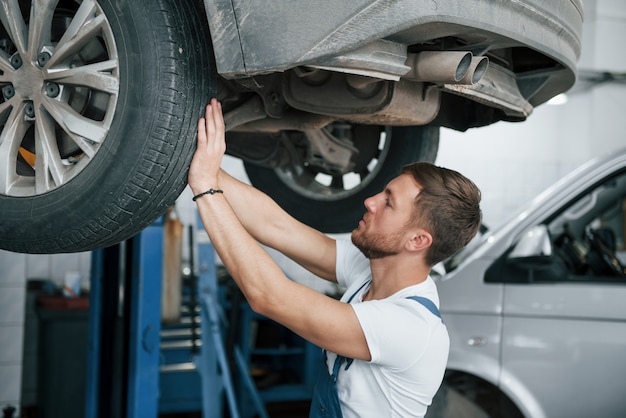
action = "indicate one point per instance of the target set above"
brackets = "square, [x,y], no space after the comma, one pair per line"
[123,369]
[213,361]
[128,382]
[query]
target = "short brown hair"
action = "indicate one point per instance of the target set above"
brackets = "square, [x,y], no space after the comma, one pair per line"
[447,206]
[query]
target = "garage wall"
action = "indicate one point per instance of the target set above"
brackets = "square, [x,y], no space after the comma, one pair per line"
[15,270]
[510,162]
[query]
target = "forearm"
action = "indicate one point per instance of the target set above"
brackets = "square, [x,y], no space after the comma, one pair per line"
[246,261]
[269,224]
[258,214]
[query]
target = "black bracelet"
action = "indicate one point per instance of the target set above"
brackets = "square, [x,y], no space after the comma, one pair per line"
[210,191]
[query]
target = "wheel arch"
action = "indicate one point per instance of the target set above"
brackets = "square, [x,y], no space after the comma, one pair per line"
[495,399]
[521,395]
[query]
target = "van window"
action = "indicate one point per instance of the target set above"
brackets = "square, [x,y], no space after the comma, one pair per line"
[587,241]
[588,234]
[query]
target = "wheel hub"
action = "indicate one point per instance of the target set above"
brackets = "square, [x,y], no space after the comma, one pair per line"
[335,168]
[28,81]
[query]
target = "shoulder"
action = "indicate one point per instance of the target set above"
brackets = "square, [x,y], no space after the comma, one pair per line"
[426,289]
[411,305]
[405,310]
[399,330]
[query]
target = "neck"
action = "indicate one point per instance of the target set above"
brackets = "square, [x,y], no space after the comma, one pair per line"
[390,275]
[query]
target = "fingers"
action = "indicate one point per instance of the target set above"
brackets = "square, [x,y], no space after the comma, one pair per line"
[211,126]
[214,119]
[201,132]
[218,117]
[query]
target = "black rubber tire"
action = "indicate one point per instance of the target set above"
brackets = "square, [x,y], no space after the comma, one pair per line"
[407,144]
[166,75]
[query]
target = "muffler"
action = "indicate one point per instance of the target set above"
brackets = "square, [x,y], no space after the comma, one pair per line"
[446,67]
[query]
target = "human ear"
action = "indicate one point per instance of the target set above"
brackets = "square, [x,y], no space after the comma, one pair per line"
[419,240]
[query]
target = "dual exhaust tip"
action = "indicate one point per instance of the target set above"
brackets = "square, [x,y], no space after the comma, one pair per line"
[446,67]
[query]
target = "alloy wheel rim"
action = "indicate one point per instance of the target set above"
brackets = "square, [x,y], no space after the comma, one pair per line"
[59,85]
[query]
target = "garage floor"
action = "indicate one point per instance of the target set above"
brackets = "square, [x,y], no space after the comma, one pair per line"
[274,410]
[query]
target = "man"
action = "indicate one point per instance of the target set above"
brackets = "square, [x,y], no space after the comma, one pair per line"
[385,345]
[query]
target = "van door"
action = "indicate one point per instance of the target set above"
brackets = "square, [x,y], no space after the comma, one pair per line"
[564,329]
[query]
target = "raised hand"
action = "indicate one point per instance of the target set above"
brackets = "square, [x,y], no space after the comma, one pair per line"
[203,172]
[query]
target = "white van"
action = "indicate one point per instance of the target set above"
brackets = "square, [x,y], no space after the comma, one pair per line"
[536,310]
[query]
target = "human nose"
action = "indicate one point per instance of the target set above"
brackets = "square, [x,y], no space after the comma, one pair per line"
[370,203]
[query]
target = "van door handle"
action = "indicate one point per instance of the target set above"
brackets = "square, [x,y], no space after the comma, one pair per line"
[477,341]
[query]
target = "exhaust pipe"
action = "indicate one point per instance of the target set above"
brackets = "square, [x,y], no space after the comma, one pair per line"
[478,68]
[446,67]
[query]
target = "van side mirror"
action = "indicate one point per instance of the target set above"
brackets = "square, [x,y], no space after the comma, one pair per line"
[531,259]
[533,250]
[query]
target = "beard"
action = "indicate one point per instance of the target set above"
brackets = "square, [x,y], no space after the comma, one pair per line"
[377,245]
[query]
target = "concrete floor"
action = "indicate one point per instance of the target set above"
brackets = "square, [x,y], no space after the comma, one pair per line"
[274,410]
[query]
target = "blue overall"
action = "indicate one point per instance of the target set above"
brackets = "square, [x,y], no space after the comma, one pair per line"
[325,400]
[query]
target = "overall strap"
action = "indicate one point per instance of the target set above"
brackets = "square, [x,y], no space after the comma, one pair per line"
[338,361]
[357,291]
[427,303]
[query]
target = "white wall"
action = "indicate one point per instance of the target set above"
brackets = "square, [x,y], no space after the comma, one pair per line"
[510,162]
[513,162]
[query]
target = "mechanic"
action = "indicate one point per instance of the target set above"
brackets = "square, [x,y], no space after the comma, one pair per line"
[384,343]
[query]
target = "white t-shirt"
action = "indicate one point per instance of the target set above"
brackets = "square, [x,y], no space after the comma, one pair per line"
[409,346]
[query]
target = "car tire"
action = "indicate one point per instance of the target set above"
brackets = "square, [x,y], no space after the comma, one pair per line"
[159,53]
[330,207]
